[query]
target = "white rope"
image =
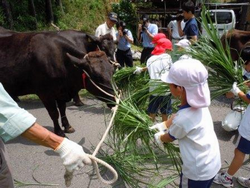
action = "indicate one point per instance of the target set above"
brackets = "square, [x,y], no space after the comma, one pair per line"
[98,86]
[96,160]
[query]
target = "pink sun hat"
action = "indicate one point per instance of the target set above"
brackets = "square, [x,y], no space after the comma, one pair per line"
[192,75]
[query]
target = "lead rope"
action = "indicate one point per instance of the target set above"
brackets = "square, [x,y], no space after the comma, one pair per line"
[97,85]
[96,160]
[93,157]
[69,175]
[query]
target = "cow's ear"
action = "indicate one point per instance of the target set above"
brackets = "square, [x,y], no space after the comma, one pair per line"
[81,63]
[92,38]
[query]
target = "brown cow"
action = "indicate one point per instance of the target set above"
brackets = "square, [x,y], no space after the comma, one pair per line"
[36,63]
[237,40]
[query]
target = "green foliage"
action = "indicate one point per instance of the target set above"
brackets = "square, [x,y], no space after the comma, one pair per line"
[223,71]
[1,17]
[126,12]
[83,15]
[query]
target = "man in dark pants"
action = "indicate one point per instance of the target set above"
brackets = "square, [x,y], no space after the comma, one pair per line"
[146,32]
[124,40]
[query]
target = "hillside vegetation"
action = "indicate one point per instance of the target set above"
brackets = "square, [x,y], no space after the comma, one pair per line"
[83,15]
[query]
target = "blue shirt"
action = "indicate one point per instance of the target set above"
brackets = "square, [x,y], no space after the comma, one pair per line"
[13,119]
[191,28]
[123,44]
[146,40]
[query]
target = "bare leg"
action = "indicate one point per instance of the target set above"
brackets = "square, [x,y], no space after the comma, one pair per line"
[164,117]
[152,116]
[236,162]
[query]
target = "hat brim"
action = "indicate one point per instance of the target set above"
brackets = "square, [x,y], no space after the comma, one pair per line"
[113,19]
[198,96]
[166,78]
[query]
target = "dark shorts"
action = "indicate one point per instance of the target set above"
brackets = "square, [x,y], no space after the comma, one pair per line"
[188,183]
[243,145]
[162,103]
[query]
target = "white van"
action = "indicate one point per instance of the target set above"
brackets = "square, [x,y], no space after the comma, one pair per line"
[223,20]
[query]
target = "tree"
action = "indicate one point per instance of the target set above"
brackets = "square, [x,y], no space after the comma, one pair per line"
[33,12]
[49,11]
[6,7]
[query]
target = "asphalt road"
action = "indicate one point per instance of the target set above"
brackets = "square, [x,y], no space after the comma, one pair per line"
[32,163]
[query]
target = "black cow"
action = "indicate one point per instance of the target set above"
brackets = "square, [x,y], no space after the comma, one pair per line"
[37,63]
[83,42]
[88,43]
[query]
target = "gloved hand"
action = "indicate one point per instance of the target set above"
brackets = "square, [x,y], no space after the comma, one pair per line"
[160,127]
[235,90]
[138,70]
[73,158]
[158,138]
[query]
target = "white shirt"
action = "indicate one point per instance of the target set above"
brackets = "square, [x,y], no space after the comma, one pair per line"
[173,25]
[199,147]
[103,29]
[157,65]
[244,128]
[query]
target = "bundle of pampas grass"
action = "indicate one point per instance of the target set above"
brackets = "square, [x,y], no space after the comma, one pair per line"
[223,71]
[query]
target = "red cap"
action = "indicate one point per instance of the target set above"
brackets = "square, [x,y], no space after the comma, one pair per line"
[162,45]
[157,37]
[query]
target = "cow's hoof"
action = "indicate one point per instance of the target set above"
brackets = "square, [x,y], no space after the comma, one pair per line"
[78,103]
[69,130]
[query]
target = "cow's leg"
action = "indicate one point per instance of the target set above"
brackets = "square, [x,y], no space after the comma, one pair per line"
[65,123]
[77,100]
[50,105]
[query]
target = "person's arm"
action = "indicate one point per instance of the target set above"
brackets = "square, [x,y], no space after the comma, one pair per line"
[129,37]
[139,32]
[166,138]
[193,39]
[154,32]
[38,134]
[244,97]
[170,30]
[181,33]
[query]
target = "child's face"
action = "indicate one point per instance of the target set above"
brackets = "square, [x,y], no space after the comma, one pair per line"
[175,90]
[247,66]
[187,15]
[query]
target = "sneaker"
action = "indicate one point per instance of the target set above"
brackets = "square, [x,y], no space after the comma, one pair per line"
[245,182]
[222,179]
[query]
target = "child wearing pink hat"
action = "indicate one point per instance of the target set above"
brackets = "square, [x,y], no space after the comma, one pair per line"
[192,125]
[157,64]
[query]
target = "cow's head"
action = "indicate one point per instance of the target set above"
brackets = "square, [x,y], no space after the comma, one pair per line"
[99,74]
[104,43]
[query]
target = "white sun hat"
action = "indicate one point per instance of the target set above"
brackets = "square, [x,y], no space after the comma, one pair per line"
[184,43]
[192,75]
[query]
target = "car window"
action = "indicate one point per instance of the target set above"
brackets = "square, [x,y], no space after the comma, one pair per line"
[223,17]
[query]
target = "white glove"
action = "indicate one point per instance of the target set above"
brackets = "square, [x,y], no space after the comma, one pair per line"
[73,158]
[138,70]
[235,90]
[160,127]
[158,138]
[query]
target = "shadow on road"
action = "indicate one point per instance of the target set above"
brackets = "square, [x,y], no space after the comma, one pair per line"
[222,134]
